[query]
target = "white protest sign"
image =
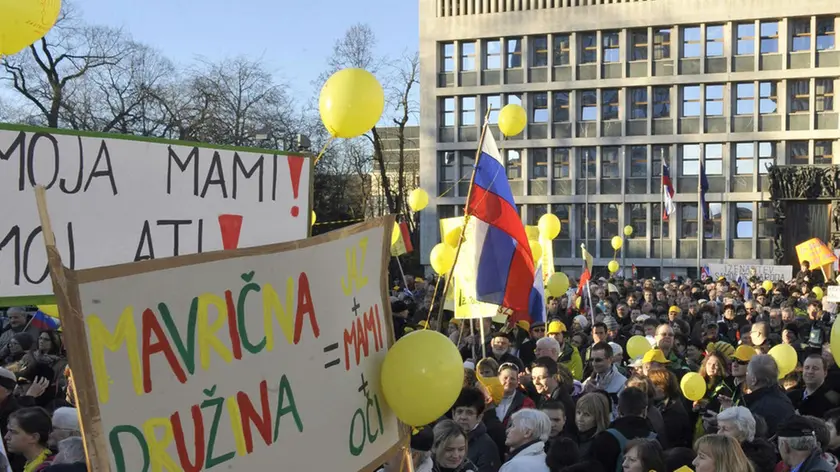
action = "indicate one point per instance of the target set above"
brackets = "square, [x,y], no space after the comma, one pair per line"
[832,294]
[772,273]
[265,358]
[116,200]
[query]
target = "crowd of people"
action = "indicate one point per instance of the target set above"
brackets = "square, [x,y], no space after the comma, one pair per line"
[564,395]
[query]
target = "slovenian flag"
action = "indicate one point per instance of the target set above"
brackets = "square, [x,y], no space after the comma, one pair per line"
[668,192]
[536,305]
[43,321]
[504,266]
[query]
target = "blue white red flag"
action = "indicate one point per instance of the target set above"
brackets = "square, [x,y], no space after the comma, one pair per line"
[536,304]
[43,321]
[667,192]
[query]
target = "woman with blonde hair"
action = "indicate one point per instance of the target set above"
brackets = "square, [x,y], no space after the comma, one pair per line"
[592,415]
[449,448]
[715,371]
[720,453]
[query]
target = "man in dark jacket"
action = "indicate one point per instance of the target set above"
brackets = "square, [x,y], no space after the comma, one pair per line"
[799,447]
[766,398]
[608,446]
[468,412]
[816,397]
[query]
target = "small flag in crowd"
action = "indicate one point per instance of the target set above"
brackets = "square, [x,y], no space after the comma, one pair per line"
[43,321]
[744,288]
[586,274]
[633,271]
[402,243]
[668,192]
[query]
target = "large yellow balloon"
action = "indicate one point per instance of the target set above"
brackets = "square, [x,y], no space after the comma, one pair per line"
[351,103]
[442,258]
[512,119]
[557,284]
[767,285]
[835,342]
[617,242]
[785,357]
[418,199]
[818,291]
[453,237]
[628,231]
[22,22]
[549,226]
[637,346]
[422,376]
[613,267]
[693,386]
[536,250]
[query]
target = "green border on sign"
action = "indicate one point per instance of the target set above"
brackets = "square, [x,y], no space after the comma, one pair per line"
[50,299]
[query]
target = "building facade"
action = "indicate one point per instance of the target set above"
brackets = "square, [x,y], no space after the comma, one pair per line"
[612,89]
[392,155]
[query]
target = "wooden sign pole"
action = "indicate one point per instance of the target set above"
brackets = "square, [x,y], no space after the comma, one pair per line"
[72,323]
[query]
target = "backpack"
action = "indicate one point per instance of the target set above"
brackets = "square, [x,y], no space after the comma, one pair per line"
[622,443]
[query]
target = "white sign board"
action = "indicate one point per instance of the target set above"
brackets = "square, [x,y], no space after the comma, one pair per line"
[832,294]
[116,200]
[258,359]
[772,273]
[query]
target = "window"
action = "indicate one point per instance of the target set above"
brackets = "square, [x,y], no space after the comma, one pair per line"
[714,100]
[824,95]
[656,223]
[448,112]
[448,62]
[690,159]
[609,220]
[493,55]
[637,215]
[494,104]
[609,162]
[744,98]
[661,43]
[514,53]
[609,104]
[658,153]
[798,152]
[513,163]
[712,228]
[746,39]
[539,163]
[713,158]
[691,42]
[588,105]
[446,166]
[561,107]
[823,154]
[611,51]
[588,48]
[587,162]
[766,220]
[767,103]
[742,216]
[586,223]
[691,100]
[799,95]
[688,212]
[562,212]
[714,41]
[825,33]
[744,158]
[561,49]
[769,37]
[467,57]
[639,45]
[560,157]
[513,98]
[662,102]
[638,161]
[766,156]
[467,164]
[467,111]
[535,212]
[540,107]
[800,34]
[540,51]
[638,103]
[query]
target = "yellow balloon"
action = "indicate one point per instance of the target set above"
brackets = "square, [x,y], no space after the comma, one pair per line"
[577,302]
[818,291]
[494,386]
[442,258]
[557,284]
[512,119]
[637,346]
[418,199]
[628,231]
[536,250]
[314,218]
[617,242]
[452,237]
[785,357]
[351,103]
[693,386]
[22,22]
[767,285]
[613,267]
[835,342]
[422,376]
[396,233]
[549,226]
[49,310]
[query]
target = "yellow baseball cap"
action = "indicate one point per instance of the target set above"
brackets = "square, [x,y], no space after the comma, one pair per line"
[674,309]
[744,353]
[556,327]
[721,347]
[655,355]
[524,325]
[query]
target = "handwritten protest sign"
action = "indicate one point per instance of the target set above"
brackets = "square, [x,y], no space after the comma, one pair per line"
[265,358]
[117,199]
[772,273]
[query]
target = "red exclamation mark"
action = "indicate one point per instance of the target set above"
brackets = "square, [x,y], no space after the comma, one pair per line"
[230,226]
[295,167]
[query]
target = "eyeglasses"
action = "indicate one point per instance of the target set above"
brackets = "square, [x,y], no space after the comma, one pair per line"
[740,362]
[541,329]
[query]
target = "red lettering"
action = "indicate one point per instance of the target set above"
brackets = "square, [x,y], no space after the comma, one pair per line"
[378,327]
[249,415]
[198,435]
[151,326]
[235,342]
[305,307]
[350,339]
[370,326]
[361,339]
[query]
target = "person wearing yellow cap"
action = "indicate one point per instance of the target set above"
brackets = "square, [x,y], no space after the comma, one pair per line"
[673,313]
[653,359]
[740,359]
[569,355]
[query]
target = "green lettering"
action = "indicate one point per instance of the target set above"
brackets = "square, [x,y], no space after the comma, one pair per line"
[187,352]
[119,454]
[353,449]
[240,317]
[285,389]
[211,461]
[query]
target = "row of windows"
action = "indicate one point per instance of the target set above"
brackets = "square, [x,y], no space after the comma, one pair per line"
[745,99]
[695,41]
[743,159]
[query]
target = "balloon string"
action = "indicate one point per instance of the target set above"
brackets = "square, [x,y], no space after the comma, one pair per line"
[324,149]
[432,303]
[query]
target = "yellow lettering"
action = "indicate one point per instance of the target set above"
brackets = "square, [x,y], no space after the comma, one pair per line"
[273,309]
[355,278]
[236,425]
[159,459]
[100,339]
[206,333]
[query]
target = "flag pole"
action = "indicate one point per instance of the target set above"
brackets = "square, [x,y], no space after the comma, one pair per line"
[662,213]
[466,213]
[701,210]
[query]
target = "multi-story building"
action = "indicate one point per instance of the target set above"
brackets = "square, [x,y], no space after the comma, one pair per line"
[614,87]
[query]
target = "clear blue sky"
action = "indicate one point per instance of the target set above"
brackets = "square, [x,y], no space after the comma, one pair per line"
[294,37]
